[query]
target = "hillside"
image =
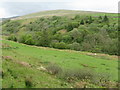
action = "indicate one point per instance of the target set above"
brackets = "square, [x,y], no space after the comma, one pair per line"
[70,13]
[61,48]
[21,62]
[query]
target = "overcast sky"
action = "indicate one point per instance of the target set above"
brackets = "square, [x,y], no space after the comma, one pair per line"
[9,8]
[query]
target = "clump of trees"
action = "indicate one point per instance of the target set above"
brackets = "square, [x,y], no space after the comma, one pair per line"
[86,33]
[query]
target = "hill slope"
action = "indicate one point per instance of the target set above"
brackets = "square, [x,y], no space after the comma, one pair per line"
[39,65]
[69,13]
[21,61]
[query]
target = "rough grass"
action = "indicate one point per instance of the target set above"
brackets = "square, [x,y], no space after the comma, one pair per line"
[14,73]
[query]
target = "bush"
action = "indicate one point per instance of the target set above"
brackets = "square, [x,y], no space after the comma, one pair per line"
[27,39]
[21,38]
[86,46]
[82,22]
[54,69]
[12,37]
[101,79]
[71,26]
[75,46]
[82,74]
[12,26]
[42,38]
[59,45]
[28,82]
[53,43]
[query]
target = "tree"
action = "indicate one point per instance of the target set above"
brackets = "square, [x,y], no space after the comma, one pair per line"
[77,17]
[12,26]
[75,46]
[59,45]
[66,38]
[100,17]
[43,38]
[82,22]
[12,37]
[6,21]
[90,20]
[105,19]
[75,34]
[72,25]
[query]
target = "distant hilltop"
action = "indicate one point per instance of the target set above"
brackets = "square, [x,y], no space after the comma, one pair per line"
[69,13]
[2,19]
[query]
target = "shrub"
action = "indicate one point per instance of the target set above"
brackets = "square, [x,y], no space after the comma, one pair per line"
[82,74]
[42,38]
[82,22]
[21,39]
[75,46]
[86,46]
[77,17]
[68,75]
[12,26]
[66,38]
[101,79]
[59,45]
[27,39]
[53,43]
[105,19]
[71,26]
[53,69]
[12,37]
[28,82]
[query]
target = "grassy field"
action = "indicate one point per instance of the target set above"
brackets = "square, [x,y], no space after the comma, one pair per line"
[18,59]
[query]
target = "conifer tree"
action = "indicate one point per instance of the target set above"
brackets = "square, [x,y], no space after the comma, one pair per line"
[82,22]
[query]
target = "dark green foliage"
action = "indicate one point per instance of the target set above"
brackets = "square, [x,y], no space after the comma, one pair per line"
[81,33]
[42,38]
[75,46]
[72,25]
[82,22]
[77,17]
[105,19]
[90,20]
[66,38]
[28,82]
[75,35]
[12,37]
[100,17]
[59,45]
[5,21]
[12,26]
